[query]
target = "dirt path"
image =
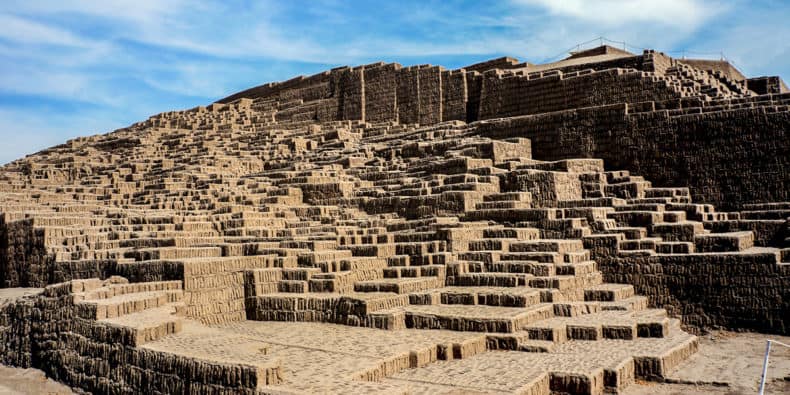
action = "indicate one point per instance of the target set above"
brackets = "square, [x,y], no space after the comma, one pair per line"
[727,363]
[28,381]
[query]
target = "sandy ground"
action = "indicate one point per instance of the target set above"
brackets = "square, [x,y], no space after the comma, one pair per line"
[28,381]
[9,294]
[727,363]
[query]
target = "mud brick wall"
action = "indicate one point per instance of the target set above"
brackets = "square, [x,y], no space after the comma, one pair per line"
[766,233]
[474,86]
[381,93]
[546,187]
[5,267]
[414,207]
[350,92]
[15,329]
[214,290]
[454,95]
[430,95]
[508,96]
[629,62]
[498,63]
[24,260]
[258,91]
[722,290]
[564,134]
[146,271]
[77,270]
[656,62]
[726,158]
[409,95]
[765,85]
[326,110]
[89,356]
[308,89]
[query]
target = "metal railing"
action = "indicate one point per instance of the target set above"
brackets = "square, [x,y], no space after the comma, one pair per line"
[626,46]
[765,362]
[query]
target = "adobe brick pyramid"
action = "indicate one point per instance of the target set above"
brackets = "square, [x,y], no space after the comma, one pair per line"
[388,229]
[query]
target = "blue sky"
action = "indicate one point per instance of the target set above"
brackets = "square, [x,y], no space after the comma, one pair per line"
[82,67]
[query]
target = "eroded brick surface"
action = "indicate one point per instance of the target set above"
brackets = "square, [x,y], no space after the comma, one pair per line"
[405,230]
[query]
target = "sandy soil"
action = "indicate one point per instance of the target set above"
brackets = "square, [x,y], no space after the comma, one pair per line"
[727,363]
[28,381]
[9,294]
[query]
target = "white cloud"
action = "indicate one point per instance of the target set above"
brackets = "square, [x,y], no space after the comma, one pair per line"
[129,10]
[755,49]
[25,31]
[679,13]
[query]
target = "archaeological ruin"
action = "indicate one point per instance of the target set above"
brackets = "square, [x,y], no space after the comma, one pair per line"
[505,227]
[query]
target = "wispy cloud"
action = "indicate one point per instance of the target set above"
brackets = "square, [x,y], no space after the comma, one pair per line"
[25,31]
[683,14]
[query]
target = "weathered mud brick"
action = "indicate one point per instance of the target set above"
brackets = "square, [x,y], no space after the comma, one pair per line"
[345,231]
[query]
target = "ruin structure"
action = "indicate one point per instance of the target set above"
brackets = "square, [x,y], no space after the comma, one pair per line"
[500,228]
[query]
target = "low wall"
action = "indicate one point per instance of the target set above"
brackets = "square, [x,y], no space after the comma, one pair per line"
[44,332]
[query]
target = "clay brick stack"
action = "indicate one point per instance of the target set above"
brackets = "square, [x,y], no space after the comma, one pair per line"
[381,228]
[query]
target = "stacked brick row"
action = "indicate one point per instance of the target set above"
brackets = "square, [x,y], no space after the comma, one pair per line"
[513,95]
[46,332]
[359,196]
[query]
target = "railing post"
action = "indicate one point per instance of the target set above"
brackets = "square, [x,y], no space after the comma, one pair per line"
[765,367]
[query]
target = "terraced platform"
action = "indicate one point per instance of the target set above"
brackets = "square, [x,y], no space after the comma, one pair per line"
[386,229]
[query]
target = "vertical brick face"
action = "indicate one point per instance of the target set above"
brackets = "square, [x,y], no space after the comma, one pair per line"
[409,95]
[454,95]
[513,95]
[430,95]
[350,93]
[381,89]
